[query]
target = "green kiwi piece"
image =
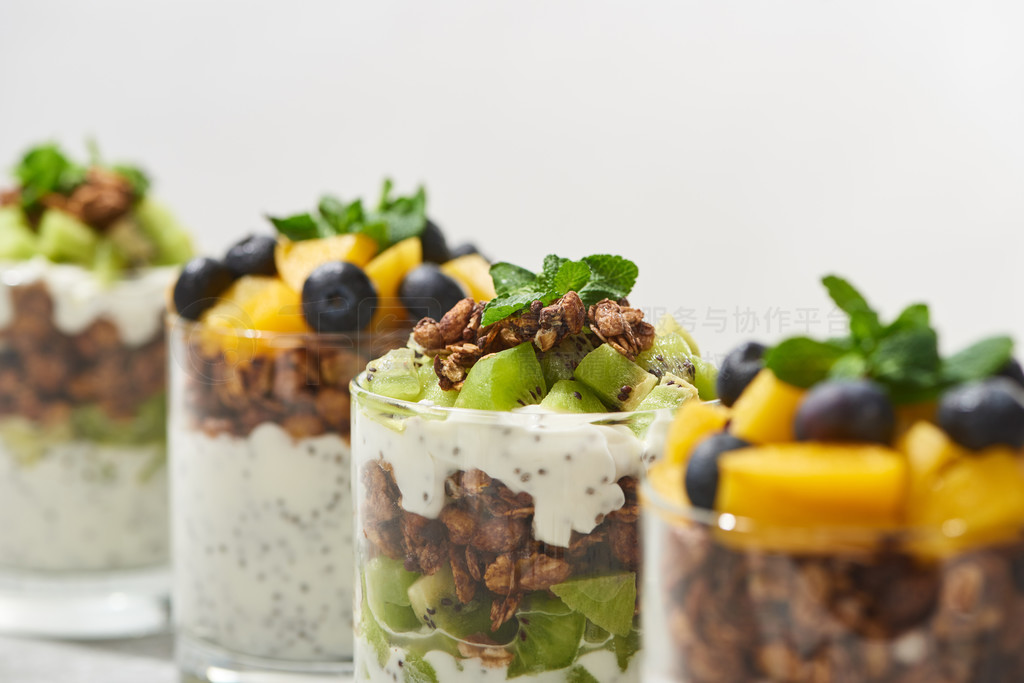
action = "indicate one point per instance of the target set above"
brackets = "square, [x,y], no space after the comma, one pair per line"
[671,392]
[669,324]
[705,378]
[560,361]
[572,396]
[17,239]
[620,383]
[435,603]
[394,375]
[432,390]
[64,238]
[502,381]
[159,226]
[670,355]
[550,636]
[387,591]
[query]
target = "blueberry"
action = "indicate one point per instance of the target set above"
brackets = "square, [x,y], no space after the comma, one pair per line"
[738,369]
[202,280]
[426,292]
[435,248]
[1012,370]
[254,255]
[338,297]
[464,249]
[982,414]
[701,479]
[857,410]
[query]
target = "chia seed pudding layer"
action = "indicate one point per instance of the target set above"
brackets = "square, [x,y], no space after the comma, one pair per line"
[261,492]
[82,425]
[497,513]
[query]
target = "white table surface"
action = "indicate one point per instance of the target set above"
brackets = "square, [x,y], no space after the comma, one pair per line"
[144,660]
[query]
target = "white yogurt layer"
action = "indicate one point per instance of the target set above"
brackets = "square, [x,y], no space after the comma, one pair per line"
[569,467]
[601,665]
[262,538]
[134,305]
[78,505]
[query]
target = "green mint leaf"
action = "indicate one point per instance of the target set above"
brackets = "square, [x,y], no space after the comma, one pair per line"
[136,177]
[853,303]
[571,276]
[851,365]
[385,195]
[378,231]
[45,169]
[908,358]
[508,277]
[625,647]
[418,670]
[802,361]
[578,674]
[299,227]
[551,266]
[611,277]
[501,307]
[608,601]
[978,361]
[914,316]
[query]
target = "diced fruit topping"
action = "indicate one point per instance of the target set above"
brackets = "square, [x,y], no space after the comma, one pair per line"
[394,375]
[257,302]
[620,383]
[670,354]
[765,412]
[253,255]
[426,292]
[338,297]
[846,410]
[694,421]
[928,450]
[701,479]
[671,392]
[502,381]
[64,238]
[432,391]
[387,593]
[807,484]
[435,247]
[17,239]
[473,272]
[296,261]
[560,361]
[982,414]
[570,396]
[705,378]
[201,282]
[389,268]
[436,604]
[738,370]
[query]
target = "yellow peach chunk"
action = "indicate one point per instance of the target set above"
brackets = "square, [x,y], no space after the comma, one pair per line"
[928,451]
[814,484]
[252,303]
[976,500]
[296,260]
[473,272]
[694,421]
[389,267]
[765,410]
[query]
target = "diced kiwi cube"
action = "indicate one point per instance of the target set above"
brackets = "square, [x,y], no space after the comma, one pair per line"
[394,375]
[620,383]
[17,240]
[64,238]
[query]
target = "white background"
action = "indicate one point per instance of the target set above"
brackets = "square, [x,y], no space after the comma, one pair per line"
[735,150]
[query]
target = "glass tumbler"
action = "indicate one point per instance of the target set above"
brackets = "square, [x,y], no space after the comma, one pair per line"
[494,545]
[261,500]
[729,600]
[83,482]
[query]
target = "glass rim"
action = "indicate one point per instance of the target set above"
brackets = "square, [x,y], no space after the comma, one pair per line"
[506,417]
[738,526]
[176,322]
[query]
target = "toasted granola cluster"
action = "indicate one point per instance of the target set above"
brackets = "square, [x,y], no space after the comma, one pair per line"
[739,615]
[485,533]
[44,372]
[100,200]
[458,340]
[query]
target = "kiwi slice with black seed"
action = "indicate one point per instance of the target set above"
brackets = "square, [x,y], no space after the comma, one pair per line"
[503,381]
[670,355]
[620,383]
[572,396]
[395,375]
[560,361]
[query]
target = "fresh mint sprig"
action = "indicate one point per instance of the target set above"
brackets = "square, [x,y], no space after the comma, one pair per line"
[393,220]
[597,277]
[903,356]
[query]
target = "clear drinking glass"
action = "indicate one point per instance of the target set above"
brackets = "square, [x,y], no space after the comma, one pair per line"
[493,545]
[727,599]
[261,499]
[83,482]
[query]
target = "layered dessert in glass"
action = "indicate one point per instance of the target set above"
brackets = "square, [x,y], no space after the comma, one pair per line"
[496,462]
[852,511]
[85,259]
[264,345]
